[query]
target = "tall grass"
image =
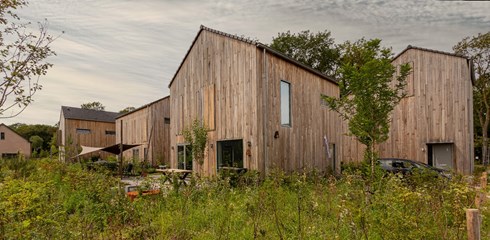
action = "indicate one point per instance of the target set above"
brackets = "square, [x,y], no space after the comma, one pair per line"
[57,201]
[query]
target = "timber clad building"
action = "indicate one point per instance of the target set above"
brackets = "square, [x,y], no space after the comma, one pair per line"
[12,144]
[263,109]
[85,127]
[434,123]
[148,127]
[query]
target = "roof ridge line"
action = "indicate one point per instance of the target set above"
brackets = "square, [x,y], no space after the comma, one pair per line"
[233,36]
[429,50]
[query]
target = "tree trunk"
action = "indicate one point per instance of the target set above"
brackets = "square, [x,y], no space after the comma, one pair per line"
[485,153]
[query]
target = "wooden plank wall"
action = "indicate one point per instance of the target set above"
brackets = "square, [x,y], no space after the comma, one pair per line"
[438,111]
[229,75]
[229,67]
[146,126]
[159,144]
[96,138]
[301,145]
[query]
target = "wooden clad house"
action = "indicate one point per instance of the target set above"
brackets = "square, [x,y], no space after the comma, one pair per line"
[434,123]
[12,144]
[262,108]
[149,126]
[85,127]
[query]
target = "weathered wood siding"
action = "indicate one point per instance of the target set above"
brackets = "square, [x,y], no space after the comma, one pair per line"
[216,84]
[438,109]
[97,137]
[235,89]
[146,126]
[301,145]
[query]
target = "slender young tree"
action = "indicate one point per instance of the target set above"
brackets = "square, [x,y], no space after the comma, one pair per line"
[196,135]
[370,89]
[477,48]
[23,57]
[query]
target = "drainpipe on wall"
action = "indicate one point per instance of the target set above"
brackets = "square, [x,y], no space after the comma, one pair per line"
[265,80]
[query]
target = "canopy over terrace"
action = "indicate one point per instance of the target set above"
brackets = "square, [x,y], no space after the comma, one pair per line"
[115,149]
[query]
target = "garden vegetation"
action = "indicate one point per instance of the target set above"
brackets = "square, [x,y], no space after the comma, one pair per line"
[46,199]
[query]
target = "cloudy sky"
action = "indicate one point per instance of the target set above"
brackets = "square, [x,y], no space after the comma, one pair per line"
[124,52]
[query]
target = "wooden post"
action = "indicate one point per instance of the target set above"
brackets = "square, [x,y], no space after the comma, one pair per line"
[481,192]
[473,224]
[121,151]
[479,198]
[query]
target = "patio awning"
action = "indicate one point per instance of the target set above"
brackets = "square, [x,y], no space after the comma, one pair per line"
[114,149]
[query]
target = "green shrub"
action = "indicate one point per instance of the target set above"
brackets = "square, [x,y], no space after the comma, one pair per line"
[46,199]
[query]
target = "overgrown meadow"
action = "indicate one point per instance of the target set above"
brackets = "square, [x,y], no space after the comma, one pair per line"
[45,199]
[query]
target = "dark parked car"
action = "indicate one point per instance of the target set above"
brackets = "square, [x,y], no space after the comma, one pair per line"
[405,166]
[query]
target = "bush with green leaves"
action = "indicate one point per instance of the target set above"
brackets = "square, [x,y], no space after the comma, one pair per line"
[45,199]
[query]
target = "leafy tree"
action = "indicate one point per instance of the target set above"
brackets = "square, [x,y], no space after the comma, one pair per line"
[94,106]
[45,132]
[370,91]
[197,137]
[22,59]
[128,109]
[477,48]
[36,143]
[316,50]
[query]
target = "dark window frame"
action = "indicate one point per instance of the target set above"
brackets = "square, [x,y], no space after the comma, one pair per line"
[289,122]
[110,132]
[187,152]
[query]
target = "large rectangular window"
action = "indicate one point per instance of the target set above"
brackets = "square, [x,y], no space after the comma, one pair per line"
[2,136]
[285,103]
[184,157]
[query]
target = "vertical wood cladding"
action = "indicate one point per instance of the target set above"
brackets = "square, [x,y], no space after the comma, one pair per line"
[97,137]
[235,89]
[147,126]
[438,109]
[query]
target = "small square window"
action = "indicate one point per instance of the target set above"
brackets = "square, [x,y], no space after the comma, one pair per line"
[166,120]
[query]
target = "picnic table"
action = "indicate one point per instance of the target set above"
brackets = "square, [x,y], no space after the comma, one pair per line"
[180,173]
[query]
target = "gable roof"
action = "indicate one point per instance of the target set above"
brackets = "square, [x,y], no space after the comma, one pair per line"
[258,45]
[429,50]
[468,60]
[144,106]
[88,114]
[2,124]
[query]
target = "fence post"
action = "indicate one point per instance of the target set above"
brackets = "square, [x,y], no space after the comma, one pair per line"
[473,224]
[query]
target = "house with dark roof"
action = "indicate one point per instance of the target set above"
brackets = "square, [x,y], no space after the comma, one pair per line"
[148,127]
[12,144]
[262,109]
[434,123]
[85,127]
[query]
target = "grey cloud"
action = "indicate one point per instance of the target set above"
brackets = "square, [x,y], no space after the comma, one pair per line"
[124,53]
